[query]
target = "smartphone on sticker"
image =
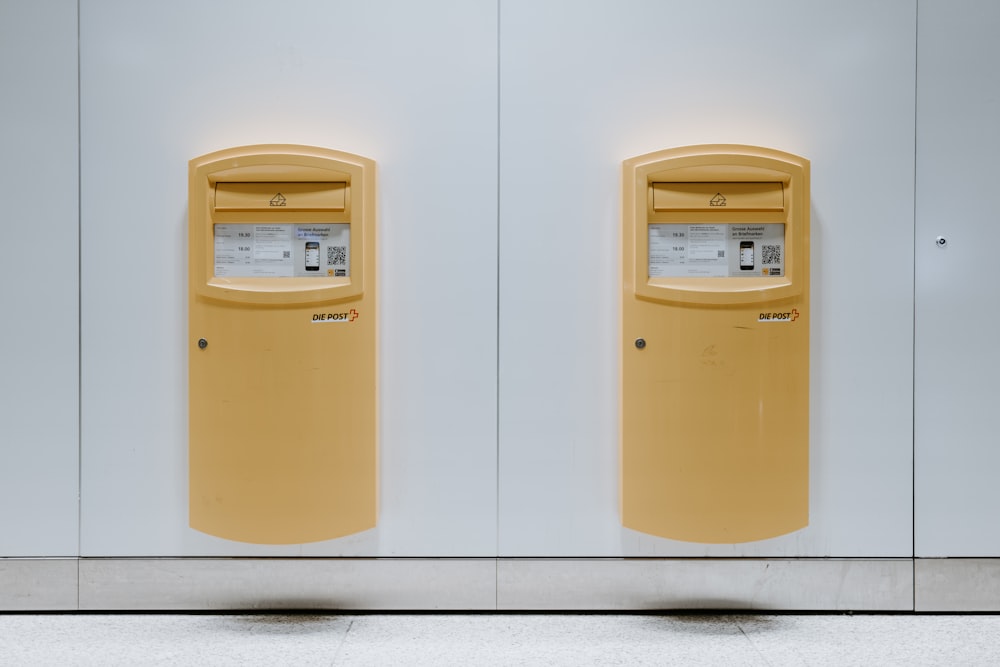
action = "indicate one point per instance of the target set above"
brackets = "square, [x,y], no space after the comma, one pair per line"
[746,255]
[312,255]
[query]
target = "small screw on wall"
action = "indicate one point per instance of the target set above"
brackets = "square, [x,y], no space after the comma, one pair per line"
[640,343]
[202,343]
[941,241]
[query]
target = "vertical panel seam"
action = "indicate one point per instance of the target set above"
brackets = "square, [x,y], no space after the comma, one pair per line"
[496,542]
[79,305]
[913,341]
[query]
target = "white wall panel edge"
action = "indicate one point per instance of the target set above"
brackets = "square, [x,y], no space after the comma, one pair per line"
[634,584]
[39,584]
[957,584]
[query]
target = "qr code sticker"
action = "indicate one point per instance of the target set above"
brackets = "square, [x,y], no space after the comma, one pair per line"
[770,254]
[336,255]
[286,254]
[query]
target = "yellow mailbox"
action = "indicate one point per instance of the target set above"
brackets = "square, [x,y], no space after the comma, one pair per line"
[715,344]
[282,344]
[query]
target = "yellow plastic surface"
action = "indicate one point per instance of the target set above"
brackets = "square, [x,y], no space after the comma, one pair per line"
[283,411]
[716,196]
[280,197]
[715,405]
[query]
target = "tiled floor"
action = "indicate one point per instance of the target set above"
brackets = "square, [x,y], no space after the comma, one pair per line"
[497,639]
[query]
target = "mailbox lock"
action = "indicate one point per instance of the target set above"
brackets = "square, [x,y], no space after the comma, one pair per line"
[941,241]
[640,343]
[202,343]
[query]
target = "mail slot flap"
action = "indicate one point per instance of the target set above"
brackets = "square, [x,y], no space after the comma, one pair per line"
[318,196]
[715,196]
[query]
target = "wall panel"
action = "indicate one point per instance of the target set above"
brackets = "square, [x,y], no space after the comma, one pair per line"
[39,274]
[957,360]
[168,82]
[584,87]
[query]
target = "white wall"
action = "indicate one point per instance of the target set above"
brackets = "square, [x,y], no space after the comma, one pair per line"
[412,86]
[585,86]
[582,87]
[39,280]
[957,356]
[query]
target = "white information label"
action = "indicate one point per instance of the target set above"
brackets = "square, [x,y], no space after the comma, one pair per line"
[708,244]
[716,250]
[283,251]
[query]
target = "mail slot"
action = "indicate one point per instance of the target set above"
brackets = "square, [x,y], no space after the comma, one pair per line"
[674,196]
[280,197]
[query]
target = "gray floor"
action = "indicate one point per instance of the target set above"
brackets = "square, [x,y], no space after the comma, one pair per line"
[497,639]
